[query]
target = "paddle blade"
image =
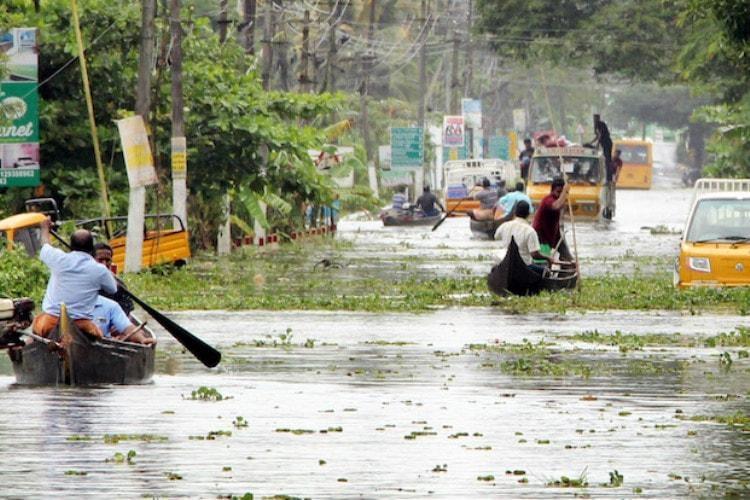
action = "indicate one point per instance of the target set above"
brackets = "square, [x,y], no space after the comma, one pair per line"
[202,351]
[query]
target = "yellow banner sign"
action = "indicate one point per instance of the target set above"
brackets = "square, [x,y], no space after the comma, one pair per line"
[137,151]
[179,158]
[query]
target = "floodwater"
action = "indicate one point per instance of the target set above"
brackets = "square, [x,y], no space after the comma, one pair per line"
[646,224]
[455,403]
[397,405]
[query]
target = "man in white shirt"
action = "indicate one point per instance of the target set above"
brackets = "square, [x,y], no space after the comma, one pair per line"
[525,236]
[75,280]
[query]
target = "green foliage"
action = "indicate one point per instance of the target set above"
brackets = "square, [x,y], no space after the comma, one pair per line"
[204,393]
[21,276]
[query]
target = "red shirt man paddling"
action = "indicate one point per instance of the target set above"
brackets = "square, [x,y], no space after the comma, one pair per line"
[547,218]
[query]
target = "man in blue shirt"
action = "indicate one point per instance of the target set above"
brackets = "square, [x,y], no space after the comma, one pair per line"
[75,281]
[113,322]
[507,202]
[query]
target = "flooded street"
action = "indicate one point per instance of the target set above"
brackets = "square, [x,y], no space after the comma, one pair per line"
[398,405]
[453,403]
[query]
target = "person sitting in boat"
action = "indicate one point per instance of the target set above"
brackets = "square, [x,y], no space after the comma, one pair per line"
[487,199]
[113,322]
[505,204]
[103,255]
[398,200]
[547,218]
[427,203]
[525,237]
[75,281]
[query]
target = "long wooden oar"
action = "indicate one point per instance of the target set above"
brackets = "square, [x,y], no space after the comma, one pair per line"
[437,224]
[202,351]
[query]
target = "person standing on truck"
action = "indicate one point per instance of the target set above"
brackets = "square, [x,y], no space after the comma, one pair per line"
[525,158]
[604,140]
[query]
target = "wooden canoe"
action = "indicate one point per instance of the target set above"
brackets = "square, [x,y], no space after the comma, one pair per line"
[512,275]
[408,218]
[83,360]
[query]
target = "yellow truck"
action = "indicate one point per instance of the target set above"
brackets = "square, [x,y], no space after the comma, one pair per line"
[637,164]
[715,246]
[585,171]
[160,245]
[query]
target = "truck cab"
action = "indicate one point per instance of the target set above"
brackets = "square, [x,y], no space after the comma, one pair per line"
[461,176]
[582,167]
[715,246]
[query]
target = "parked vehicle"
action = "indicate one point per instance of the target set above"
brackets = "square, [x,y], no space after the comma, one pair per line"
[637,163]
[583,168]
[462,175]
[715,246]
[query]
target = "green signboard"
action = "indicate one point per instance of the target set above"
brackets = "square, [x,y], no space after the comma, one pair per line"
[19,109]
[407,147]
[19,113]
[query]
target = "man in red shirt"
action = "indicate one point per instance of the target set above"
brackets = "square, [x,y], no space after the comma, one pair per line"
[547,218]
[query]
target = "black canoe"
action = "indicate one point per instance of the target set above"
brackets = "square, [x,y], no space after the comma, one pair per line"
[512,276]
[485,228]
[85,361]
[408,218]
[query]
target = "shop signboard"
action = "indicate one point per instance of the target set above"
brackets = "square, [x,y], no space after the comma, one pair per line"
[19,109]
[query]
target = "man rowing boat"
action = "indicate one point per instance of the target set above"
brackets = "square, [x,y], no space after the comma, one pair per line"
[547,218]
[525,237]
[75,281]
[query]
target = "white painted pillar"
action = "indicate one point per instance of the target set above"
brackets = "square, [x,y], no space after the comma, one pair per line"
[136,218]
[372,176]
[260,231]
[224,238]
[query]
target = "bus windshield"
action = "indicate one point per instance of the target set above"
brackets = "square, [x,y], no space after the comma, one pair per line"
[579,169]
[633,154]
[713,220]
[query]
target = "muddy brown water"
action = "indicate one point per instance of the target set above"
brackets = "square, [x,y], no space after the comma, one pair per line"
[380,379]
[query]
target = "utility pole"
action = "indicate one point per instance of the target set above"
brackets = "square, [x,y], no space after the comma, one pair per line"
[248,26]
[137,199]
[422,66]
[304,78]
[223,20]
[179,143]
[281,39]
[468,82]
[455,108]
[330,80]
[267,50]
[367,59]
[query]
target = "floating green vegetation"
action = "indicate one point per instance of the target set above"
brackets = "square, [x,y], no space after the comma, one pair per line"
[226,468]
[239,422]
[204,393]
[440,468]
[399,343]
[173,476]
[415,434]
[246,496]
[570,482]
[738,419]
[77,437]
[488,477]
[73,472]
[296,432]
[121,458]
[332,429]
[146,438]
[632,342]
[516,472]
[615,479]
[210,283]
[740,337]
[211,436]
